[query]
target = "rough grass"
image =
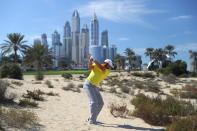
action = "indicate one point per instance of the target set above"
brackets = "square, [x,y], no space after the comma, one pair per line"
[48,83]
[28,103]
[52,94]
[189,91]
[119,110]
[144,74]
[160,112]
[172,79]
[16,118]
[71,87]
[36,95]
[184,124]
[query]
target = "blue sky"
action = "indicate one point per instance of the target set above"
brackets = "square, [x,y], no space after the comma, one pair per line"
[136,24]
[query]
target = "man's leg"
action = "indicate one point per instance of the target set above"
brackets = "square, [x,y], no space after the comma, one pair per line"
[100,101]
[93,101]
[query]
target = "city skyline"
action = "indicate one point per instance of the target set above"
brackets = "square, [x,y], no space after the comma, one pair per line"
[153,24]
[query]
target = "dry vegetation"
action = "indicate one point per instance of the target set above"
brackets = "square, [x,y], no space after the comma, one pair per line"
[48,83]
[36,95]
[119,110]
[71,87]
[28,103]
[15,118]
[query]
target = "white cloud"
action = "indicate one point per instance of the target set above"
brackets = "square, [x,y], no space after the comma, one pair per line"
[118,10]
[182,17]
[123,39]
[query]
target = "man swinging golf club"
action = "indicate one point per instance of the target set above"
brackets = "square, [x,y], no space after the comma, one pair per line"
[98,73]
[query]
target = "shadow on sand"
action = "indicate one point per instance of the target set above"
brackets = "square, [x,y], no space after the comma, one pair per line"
[129,127]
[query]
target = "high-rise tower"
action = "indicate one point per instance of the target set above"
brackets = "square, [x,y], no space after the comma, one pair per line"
[56,45]
[84,46]
[94,31]
[44,40]
[67,41]
[104,38]
[75,36]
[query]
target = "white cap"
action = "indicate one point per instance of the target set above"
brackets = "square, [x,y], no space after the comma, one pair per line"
[109,62]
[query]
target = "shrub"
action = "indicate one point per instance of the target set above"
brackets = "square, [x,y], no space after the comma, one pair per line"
[39,76]
[184,124]
[18,118]
[170,78]
[11,71]
[119,110]
[71,87]
[160,112]
[177,68]
[67,75]
[125,89]
[144,75]
[48,83]
[4,96]
[4,71]
[15,72]
[36,95]
[52,94]
[112,90]
[27,102]
[80,86]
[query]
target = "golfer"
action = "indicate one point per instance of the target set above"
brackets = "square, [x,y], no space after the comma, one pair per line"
[98,73]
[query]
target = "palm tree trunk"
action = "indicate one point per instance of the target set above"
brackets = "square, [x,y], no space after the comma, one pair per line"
[15,56]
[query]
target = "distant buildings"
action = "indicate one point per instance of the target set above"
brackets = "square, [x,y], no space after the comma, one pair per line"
[104,38]
[44,40]
[56,45]
[78,44]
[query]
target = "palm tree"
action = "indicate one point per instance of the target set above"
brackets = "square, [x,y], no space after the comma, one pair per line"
[118,61]
[14,44]
[193,56]
[149,52]
[159,55]
[39,56]
[130,54]
[169,49]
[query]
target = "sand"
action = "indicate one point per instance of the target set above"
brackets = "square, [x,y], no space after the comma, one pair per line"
[69,110]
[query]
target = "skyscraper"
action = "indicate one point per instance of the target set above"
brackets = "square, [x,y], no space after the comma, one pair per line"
[75,36]
[84,46]
[37,41]
[94,31]
[67,42]
[104,38]
[56,45]
[44,40]
[112,52]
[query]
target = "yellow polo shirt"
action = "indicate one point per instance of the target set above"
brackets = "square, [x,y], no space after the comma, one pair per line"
[97,75]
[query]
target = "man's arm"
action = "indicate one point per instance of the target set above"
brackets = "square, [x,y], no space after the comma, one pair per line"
[99,65]
[90,66]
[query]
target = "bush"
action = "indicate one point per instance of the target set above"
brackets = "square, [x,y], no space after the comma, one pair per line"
[144,75]
[4,71]
[189,91]
[125,89]
[71,87]
[36,95]
[119,110]
[67,75]
[11,71]
[184,124]
[48,83]
[27,102]
[52,94]
[177,68]
[18,118]
[39,76]
[18,83]
[4,96]
[160,112]
[15,72]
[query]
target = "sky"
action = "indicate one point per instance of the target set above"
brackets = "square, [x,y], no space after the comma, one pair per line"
[136,24]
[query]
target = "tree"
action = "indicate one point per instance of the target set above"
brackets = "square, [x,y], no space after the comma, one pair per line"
[193,56]
[149,52]
[118,61]
[14,44]
[169,49]
[38,56]
[130,55]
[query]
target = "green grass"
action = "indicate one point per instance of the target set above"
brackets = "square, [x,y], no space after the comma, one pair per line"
[55,72]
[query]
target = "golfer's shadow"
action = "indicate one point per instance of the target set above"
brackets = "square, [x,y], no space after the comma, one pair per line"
[128,127]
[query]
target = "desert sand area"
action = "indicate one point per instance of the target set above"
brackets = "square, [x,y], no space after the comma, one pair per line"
[68,110]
